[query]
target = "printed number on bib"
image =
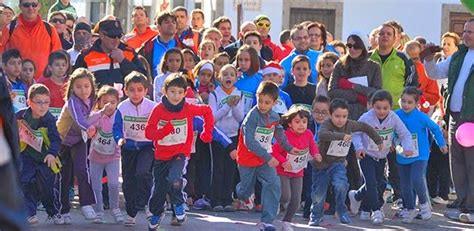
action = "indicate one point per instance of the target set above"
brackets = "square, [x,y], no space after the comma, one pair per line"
[55,111]
[298,162]
[135,128]
[264,137]
[20,99]
[248,101]
[339,148]
[387,135]
[31,137]
[103,143]
[178,136]
[414,138]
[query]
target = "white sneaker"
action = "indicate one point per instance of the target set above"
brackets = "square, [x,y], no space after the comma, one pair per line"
[32,220]
[466,217]
[425,211]
[99,219]
[67,218]
[88,212]
[439,200]
[117,214]
[409,216]
[377,217]
[286,226]
[57,219]
[130,221]
[355,204]
[364,216]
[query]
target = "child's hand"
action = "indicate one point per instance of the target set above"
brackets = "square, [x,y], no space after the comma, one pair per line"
[204,96]
[347,137]
[121,142]
[168,128]
[360,154]
[287,166]
[273,162]
[380,146]
[295,151]
[206,137]
[49,160]
[318,158]
[233,154]
[444,150]
[91,131]
[408,153]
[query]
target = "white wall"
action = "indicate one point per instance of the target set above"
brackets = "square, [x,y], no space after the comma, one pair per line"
[418,17]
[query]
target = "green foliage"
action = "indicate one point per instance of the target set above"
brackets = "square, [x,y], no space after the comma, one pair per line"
[45,5]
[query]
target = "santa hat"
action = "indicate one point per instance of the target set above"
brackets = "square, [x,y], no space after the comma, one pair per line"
[272,67]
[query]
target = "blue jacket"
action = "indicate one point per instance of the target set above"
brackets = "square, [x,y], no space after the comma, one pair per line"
[217,135]
[418,123]
[286,64]
[248,86]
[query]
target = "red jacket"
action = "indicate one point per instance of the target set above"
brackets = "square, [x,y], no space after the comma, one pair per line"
[171,140]
[427,86]
[282,52]
[136,41]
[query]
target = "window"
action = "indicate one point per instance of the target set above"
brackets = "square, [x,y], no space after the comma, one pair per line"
[325,16]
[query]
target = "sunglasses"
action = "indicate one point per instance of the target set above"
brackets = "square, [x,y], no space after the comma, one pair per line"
[350,46]
[265,25]
[114,36]
[28,4]
[58,20]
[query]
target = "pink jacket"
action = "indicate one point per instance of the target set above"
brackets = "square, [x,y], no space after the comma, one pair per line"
[103,148]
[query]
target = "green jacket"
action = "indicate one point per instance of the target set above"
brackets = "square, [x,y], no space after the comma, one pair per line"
[467,110]
[58,6]
[397,72]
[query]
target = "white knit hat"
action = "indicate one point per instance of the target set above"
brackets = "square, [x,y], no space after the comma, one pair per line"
[363,37]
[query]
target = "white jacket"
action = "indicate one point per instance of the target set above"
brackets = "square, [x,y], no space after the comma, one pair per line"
[226,118]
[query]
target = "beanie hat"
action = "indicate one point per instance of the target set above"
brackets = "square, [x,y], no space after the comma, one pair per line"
[82,26]
[363,37]
[272,67]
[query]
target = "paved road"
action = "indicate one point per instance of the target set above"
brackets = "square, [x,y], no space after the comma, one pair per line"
[237,221]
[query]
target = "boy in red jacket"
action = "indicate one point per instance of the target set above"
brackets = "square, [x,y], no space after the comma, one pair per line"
[170,127]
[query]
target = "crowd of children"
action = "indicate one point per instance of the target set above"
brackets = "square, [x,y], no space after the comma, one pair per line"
[219,135]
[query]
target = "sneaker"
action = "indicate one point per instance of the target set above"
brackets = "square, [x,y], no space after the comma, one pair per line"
[229,208]
[130,221]
[401,213]
[409,216]
[364,216]
[377,217]
[99,219]
[315,222]
[425,211]
[180,213]
[88,212]
[345,219]
[245,205]
[259,208]
[218,208]
[202,204]
[57,219]
[439,200]
[148,214]
[355,204]
[32,220]
[266,227]
[117,214]
[67,218]
[398,204]
[286,226]
[155,222]
[466,218]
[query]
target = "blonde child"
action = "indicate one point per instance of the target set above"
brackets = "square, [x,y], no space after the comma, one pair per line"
[325,67]
[172,62]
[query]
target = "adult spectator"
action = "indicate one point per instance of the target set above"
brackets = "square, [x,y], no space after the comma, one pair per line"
[422,41]
[264,25]
[300,39]
[34,38]
[449,42]
[398,33]
[82,40]
[224,25]
[141,31]
[397,73]
[154,49]
[63,6]
[286,45]
[70,21]
[8,13]
[197,20]
[373,39]
[232,48]
[317,38]
[185,33]
[109,59]
[460,106]
[58,20]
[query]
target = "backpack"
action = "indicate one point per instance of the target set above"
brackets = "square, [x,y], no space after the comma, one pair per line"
[46,24]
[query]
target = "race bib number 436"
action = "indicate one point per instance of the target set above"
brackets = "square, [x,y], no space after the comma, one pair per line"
[135,128]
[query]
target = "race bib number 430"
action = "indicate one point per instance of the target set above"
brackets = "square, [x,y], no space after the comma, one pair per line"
[179,134]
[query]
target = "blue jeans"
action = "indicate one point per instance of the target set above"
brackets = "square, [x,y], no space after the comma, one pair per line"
[271,189]
[371,193]
[336,175]
[412,179]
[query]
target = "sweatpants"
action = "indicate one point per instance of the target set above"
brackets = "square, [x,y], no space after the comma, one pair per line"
[167,179]
[39,183]
[113,170]
[224,170]
[203,166]
[74,163]
[137,178]
[291,188]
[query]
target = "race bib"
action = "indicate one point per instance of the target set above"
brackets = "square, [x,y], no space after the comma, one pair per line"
[178,136]
[387,136]
[31,137]
[135,128]
[103,143]
[298,162]
[224,102]
[414,137]
[305,106]
[56,111]
[248,101]
[264,137]
[20,99]
[339,148]
[280,107]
